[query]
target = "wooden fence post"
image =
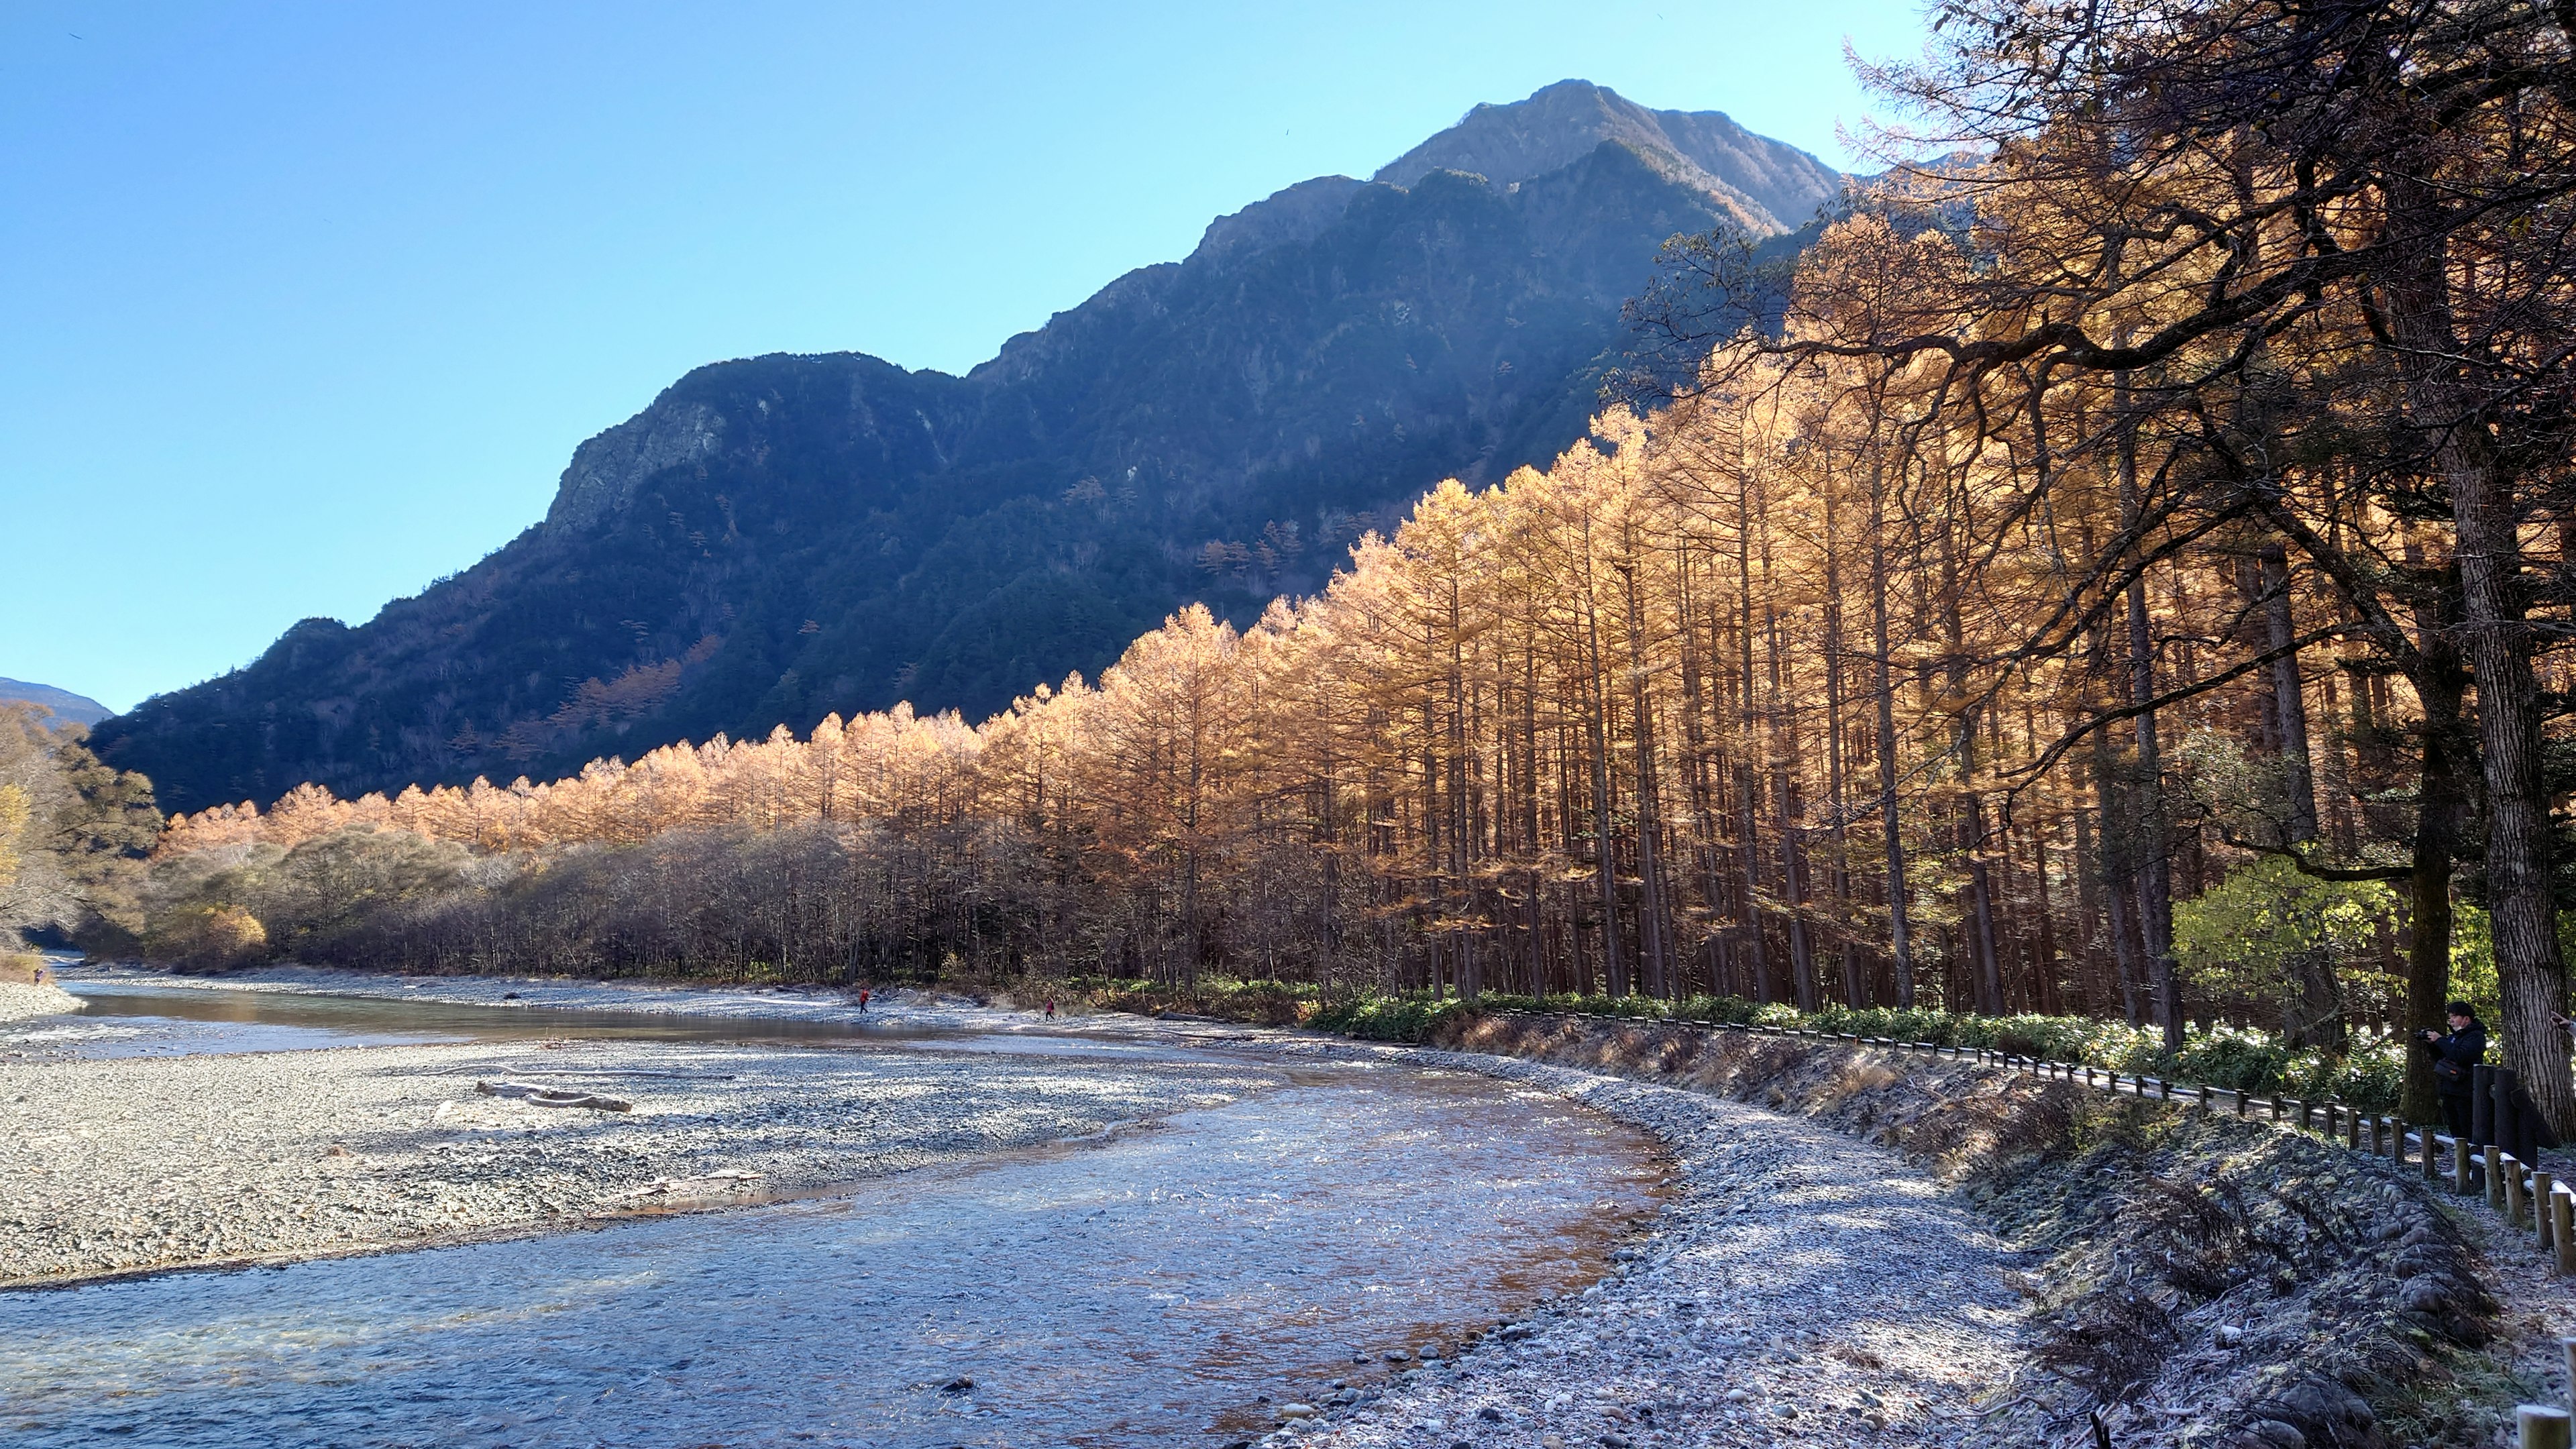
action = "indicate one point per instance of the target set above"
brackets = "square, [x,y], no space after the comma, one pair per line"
[2506,1196]
[2540,1426]
[2493,1159]
[2562,1216]
[2460,1166]
[2542,1214]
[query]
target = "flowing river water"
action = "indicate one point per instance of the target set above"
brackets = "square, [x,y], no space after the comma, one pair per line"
[1165,1283]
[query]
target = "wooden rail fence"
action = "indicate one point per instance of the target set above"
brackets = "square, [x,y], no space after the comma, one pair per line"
[2522,1191]
[2525,1194]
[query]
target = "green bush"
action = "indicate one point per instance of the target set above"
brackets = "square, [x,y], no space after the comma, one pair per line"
[1410,1018]
[2368,1077]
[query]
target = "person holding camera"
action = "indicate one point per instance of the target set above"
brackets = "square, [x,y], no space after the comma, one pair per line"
[2453,1056]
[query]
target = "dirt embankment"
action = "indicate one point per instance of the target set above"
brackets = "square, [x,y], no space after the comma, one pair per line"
[2207,1281]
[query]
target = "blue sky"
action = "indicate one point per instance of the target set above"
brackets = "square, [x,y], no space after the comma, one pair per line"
[307,304]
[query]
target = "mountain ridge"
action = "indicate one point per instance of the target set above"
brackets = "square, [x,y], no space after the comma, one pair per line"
[776,537]
[65,705]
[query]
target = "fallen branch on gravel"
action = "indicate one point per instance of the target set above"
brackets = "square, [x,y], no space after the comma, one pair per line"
[536,1096]
[593,1072]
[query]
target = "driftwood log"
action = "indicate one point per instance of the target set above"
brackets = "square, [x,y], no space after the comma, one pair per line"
[536,1096]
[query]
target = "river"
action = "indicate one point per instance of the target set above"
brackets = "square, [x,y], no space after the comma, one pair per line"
[1154,1284]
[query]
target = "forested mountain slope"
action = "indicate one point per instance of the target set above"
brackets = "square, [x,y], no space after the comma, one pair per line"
[781,537]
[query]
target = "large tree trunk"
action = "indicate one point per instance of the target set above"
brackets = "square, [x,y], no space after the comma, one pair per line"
[2497,642]
[2440,797]
[1855,991]
[1900,947]
[1654,916]
[2315,1017]
[1605,861]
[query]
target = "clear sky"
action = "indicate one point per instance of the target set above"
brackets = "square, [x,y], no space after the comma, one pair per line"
[303,305]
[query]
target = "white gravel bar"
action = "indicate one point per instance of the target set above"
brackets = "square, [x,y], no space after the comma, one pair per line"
[132,1164]
[900,1006]
[22,1002]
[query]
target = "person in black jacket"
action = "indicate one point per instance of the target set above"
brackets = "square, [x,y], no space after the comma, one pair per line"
[2453,1056]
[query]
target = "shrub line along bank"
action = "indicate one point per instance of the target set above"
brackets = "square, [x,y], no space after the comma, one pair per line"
[2367,1077]
[2526,1194]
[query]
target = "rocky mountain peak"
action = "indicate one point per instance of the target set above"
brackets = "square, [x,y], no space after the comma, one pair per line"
[1776,185]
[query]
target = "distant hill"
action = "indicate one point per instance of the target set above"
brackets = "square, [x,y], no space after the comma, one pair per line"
[78,708]
[784,536]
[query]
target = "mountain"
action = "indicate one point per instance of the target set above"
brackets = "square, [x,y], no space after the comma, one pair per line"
[77,708]
[1764,186]
[779,537]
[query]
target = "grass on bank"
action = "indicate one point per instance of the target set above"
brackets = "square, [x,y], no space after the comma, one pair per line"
[2368,1076]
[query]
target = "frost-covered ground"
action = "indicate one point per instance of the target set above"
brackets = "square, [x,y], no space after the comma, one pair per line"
[1801,1288]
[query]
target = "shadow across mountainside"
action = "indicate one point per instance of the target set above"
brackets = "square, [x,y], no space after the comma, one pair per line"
[781,537]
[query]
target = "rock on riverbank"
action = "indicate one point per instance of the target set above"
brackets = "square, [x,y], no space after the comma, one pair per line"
[123,1165]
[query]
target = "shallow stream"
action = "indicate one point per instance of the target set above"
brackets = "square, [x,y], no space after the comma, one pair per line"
[1154,1285]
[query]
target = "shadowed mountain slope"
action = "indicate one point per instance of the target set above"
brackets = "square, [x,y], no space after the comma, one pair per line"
[780,537]
[62,703]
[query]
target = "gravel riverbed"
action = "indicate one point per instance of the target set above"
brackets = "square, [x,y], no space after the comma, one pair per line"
[132,1164]
[21,1002]
[1801,1288]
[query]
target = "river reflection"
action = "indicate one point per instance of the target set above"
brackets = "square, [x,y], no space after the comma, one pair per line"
[1147,1288]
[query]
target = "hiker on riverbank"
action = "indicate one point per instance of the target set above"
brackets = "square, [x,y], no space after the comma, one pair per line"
[2453,1056]
[863,998]
[1050,1006]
